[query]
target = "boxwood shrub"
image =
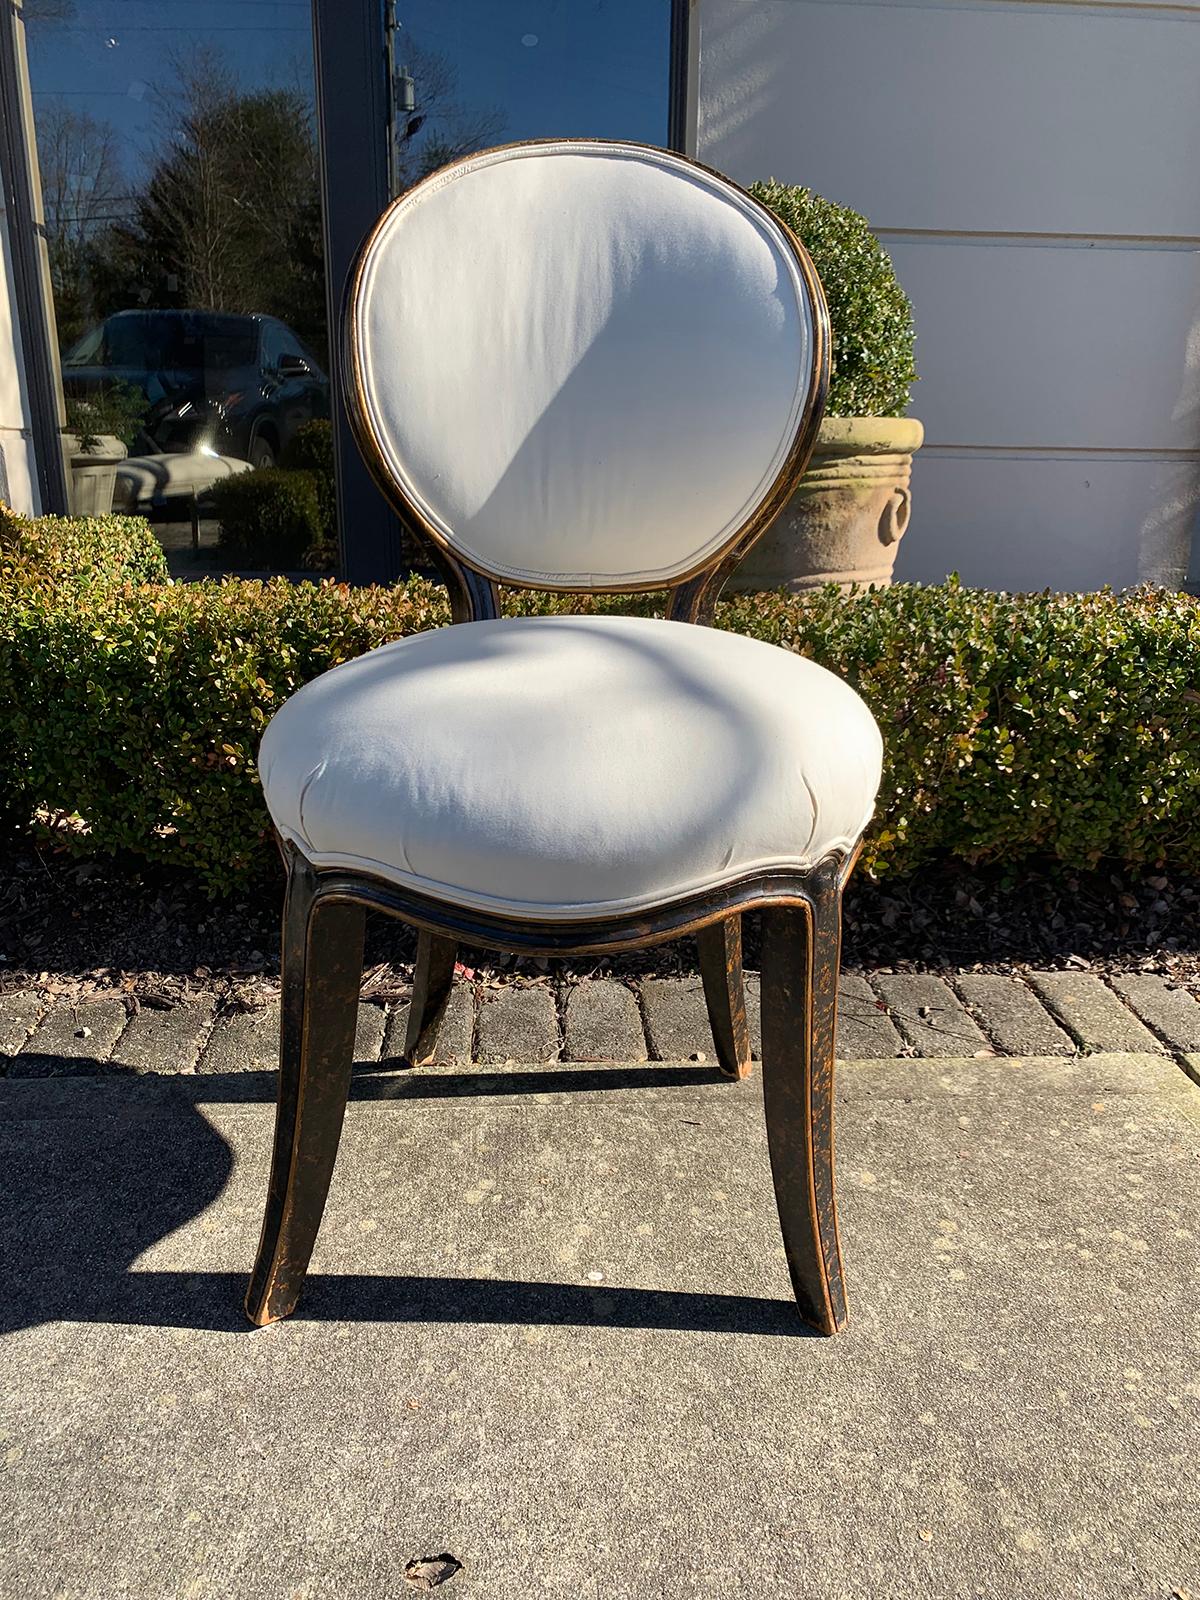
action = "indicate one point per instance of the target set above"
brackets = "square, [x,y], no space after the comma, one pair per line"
[310,449]
[272,520]
[870,316]
[1015,726]
[77,554]
[132,723]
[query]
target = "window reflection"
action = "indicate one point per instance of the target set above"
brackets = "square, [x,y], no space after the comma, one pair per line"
[475,73]
[178,153]
[223,385]
[179,167]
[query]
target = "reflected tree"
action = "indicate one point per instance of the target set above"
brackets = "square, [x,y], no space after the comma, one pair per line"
[447,128]
[229,216]
[58,12]
[84,193]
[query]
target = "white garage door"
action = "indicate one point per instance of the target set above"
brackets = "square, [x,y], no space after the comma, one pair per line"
[1035,172]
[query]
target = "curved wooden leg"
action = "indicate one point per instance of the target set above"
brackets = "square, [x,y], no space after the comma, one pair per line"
[720,948]
[801,953]
[322,972]
[433,977]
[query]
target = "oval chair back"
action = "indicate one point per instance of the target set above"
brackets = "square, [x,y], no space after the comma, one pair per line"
[585,365]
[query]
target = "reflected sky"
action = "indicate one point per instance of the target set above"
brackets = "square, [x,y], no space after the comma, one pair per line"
[517,68]
[556,66]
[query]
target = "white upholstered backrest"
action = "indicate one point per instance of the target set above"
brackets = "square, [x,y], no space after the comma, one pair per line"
[582,364]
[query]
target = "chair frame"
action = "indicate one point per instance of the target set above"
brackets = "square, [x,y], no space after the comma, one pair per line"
[325,914]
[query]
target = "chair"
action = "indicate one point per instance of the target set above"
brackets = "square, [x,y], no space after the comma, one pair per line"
[589,367]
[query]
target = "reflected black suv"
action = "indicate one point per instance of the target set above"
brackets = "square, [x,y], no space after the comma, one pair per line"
[237,385]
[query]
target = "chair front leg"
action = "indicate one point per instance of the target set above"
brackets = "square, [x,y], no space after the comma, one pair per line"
[801,954]
[433,978]
[720,949]
[322,973]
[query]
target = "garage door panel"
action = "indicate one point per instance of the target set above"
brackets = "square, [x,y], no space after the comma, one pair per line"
[1054,347]
[1027,522]
[998,118]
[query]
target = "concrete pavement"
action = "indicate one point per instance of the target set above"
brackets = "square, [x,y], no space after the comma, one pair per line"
[548,1334]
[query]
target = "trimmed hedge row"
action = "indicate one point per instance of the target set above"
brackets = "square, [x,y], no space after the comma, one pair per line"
[77,554]
[135,720]
[1015,725]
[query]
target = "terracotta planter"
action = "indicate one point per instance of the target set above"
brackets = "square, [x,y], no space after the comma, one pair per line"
[844,522]
[92,474]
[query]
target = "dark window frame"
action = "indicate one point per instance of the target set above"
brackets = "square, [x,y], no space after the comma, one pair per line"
[351,94]
[32,301]
[677,107]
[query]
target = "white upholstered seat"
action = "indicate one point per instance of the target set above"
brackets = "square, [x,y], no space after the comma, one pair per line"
[566,767]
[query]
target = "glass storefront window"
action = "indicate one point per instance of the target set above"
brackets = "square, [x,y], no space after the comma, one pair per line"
[474,73]
[178,153]
[177,147]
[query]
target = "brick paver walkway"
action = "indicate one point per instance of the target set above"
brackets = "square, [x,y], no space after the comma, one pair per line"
[882,1015]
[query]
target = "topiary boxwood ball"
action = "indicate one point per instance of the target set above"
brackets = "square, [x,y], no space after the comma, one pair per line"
[869,313]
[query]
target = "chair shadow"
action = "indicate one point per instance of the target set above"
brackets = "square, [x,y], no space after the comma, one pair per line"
[391,1080]
[89,1188]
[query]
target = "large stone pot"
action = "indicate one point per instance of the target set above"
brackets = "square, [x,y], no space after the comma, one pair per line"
[844,522]
[92,474]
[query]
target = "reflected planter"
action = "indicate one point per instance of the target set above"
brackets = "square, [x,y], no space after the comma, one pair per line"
[92,474]
[844,523]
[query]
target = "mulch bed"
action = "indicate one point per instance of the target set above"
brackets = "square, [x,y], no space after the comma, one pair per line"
[81,927]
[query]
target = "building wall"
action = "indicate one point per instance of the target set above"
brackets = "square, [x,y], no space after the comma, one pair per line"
[18,478]
[1034,170]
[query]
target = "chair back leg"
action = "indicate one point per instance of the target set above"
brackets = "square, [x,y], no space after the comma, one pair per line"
[801,955]
[720,950]
[433,977]
[322,973]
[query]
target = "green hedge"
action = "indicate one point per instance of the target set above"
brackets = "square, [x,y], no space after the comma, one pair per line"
[272,519]
[870,316]
[136,720]
[1015,726]
[310,449]
[77,554]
